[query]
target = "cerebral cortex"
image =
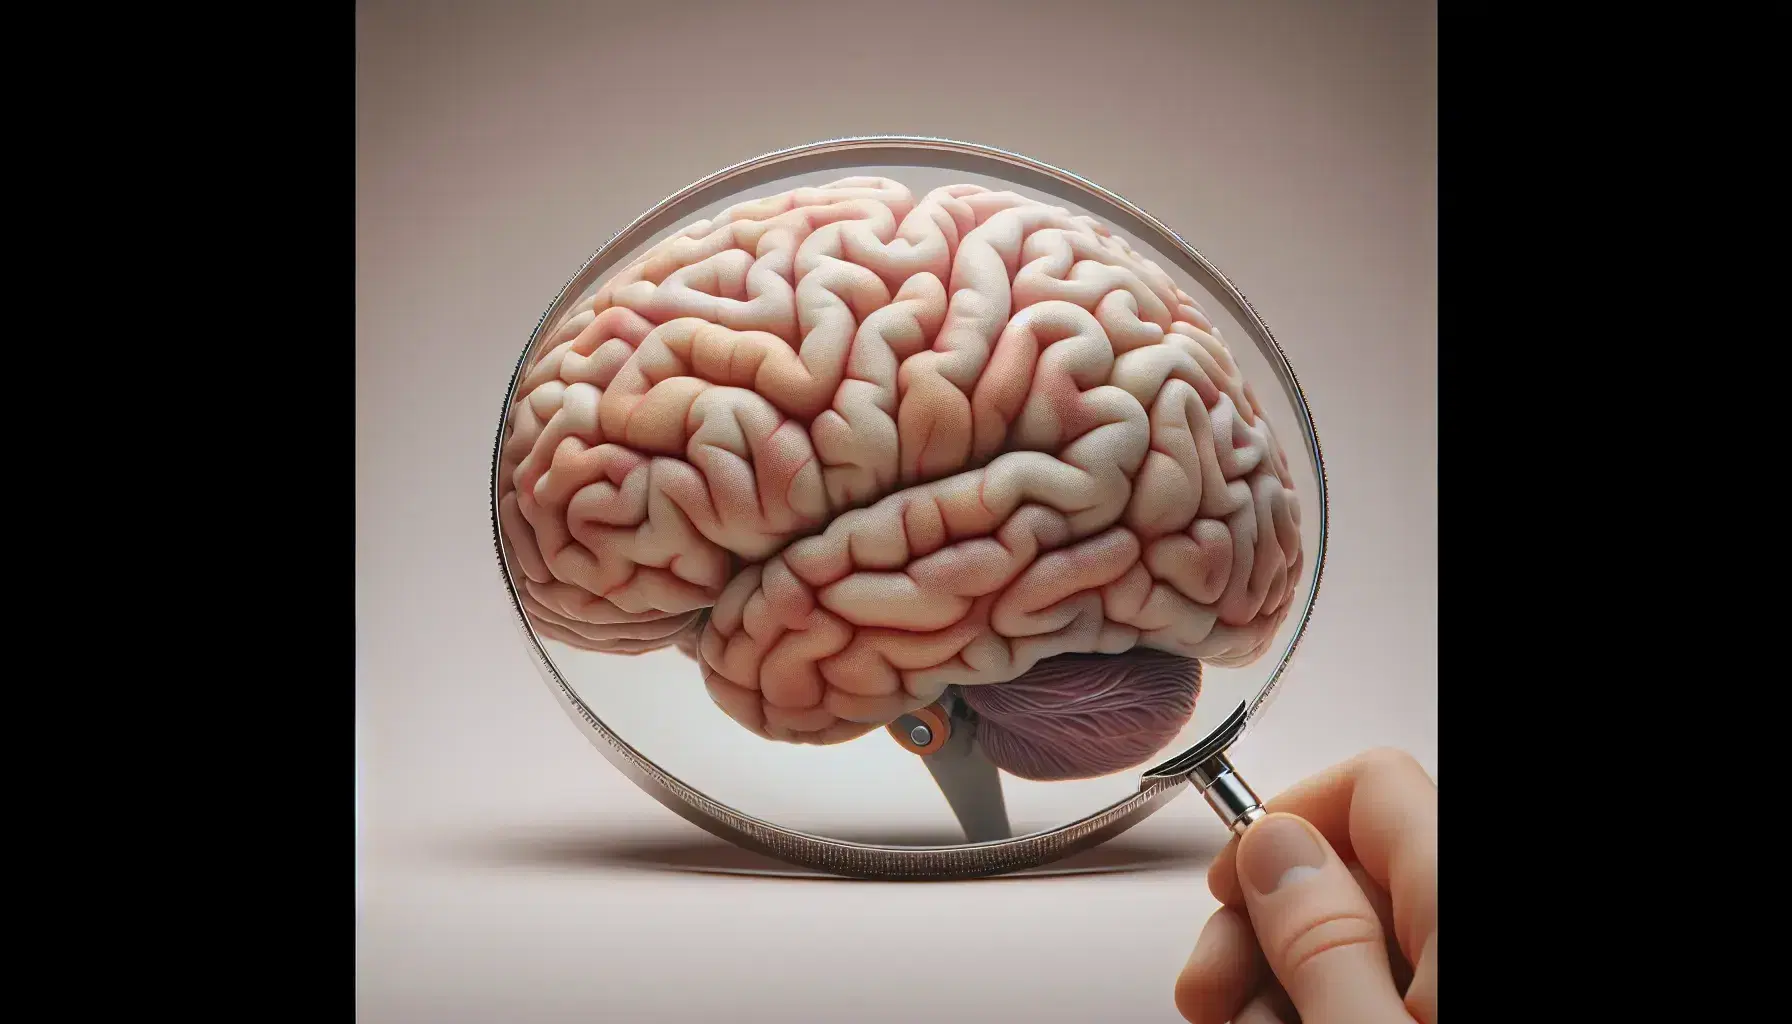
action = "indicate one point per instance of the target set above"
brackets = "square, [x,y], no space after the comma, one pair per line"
[847,447]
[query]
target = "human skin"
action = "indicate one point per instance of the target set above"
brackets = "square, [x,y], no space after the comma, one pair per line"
[846,447]
[1328,905]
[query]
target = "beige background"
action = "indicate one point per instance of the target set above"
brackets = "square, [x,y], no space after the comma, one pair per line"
[504,871]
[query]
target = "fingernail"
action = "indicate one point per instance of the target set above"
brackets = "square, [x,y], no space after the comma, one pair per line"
[1279,852]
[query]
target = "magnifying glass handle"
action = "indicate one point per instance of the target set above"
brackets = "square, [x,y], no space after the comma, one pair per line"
[1228,794]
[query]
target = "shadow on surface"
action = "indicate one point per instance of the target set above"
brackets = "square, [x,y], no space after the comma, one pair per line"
[697,852]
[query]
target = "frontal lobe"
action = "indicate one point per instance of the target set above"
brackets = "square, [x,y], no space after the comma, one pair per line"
[678,423]
[848,448]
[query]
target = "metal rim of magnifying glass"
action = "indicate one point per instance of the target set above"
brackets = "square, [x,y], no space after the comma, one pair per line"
[862,860]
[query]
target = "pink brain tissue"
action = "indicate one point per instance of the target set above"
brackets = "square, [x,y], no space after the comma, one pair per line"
[847,448]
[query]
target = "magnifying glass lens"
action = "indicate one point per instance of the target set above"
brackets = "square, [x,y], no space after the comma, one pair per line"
[917,502]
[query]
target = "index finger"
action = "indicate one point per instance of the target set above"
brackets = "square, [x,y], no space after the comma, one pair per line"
[1379,810]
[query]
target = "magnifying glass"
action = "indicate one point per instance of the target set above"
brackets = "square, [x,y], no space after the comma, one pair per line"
[907,508]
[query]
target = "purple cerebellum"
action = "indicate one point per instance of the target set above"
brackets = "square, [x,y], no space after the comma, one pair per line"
[1078,716]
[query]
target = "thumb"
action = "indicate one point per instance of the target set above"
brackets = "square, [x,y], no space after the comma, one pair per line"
[1318,931]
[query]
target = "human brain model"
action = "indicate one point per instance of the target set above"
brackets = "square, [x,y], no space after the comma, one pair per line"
[848,449]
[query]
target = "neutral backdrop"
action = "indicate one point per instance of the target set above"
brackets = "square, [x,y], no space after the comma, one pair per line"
[504,872]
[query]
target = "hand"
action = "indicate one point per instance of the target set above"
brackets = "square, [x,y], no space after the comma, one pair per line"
[1328,905]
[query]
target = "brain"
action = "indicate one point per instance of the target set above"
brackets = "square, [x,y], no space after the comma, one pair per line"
[847,448]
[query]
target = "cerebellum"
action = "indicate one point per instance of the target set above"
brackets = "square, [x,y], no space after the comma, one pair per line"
[1078,716]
